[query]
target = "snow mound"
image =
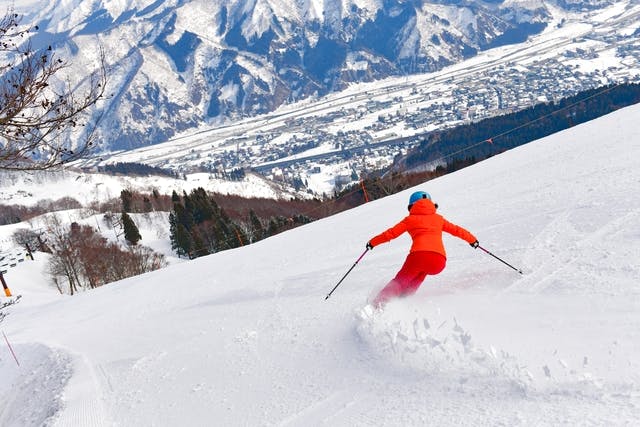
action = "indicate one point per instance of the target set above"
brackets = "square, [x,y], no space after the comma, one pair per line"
[33,391]
[436,345]
[438,356]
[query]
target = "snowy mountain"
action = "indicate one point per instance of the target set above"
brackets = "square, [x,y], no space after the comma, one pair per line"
[245,336]
[177,64]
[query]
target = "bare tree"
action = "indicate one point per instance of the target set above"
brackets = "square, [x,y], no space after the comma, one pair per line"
[39,109]
[64,262]
[27,238]
[86,259]
[143,259]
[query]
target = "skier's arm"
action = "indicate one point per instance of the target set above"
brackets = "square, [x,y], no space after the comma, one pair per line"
[389,234]
[458,231]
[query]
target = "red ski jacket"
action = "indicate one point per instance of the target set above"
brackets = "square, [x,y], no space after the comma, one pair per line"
[425,227]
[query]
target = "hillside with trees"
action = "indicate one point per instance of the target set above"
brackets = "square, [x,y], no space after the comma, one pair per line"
[202,223]
[477,141]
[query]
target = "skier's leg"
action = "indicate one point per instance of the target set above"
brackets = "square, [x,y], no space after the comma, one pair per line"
[430,263]
[398,286]
[391,290]
[414,284]
[433,262]
[416,267]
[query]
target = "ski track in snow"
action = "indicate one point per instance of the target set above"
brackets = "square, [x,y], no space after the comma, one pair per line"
[86,392]
[562,263]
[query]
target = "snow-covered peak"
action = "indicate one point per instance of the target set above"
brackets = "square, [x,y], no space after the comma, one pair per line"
[177,65]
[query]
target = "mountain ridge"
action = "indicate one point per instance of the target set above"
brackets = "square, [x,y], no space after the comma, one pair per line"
[177,64]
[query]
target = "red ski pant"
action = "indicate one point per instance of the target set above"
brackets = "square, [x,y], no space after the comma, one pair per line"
[416,267]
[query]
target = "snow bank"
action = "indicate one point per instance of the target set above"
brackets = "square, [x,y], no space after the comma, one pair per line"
[33,394]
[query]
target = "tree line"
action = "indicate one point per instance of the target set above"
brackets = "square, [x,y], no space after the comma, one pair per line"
[13,214]
[502,133]
[135,169]
[199,226]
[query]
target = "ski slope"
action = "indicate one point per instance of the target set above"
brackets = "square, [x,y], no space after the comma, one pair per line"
[246,338]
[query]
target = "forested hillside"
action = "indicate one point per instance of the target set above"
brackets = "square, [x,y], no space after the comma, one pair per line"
[477,141]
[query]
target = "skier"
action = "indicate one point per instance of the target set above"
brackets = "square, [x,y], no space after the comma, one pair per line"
[427,255]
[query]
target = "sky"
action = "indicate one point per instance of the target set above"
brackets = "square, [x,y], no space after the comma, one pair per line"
[245,337]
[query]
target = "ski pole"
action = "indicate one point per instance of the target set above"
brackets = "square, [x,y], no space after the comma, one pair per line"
[346,274]
[502,261]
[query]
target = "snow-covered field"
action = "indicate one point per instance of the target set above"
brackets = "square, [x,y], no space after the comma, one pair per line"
[28,189]
[245,337]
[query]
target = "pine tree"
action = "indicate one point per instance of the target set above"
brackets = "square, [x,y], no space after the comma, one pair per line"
[202,205]
[173,224]
[127,198]
[184,243]
[273,227]
[183,216]
[146,204]
[188,204]
[257,230]
[131,232]
[199,248]
[223,228]
[240,235]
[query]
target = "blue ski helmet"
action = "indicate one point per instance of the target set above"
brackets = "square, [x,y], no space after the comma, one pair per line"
[417,196]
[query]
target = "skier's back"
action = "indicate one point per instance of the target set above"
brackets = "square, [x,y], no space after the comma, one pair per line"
[427,255]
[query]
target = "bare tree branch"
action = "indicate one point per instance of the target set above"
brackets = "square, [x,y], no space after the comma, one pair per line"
[42,127]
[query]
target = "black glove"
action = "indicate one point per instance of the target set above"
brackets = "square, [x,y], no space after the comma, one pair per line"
[475,244]
[369,246]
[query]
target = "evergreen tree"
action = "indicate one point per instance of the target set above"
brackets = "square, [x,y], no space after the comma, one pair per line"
[131,232]
[257,230]
[202,205]
[183,216]
[183,241]
[241,237]
[273,227]
[127,198]
[146,204]
[199,248]
[225,236]
[188,205]
[173,230]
